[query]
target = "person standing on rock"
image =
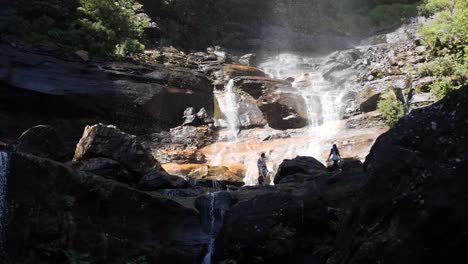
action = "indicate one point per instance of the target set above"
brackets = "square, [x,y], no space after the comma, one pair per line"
[262,169]
[335,155]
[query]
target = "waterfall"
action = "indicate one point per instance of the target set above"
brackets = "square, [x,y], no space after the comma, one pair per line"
[214,207]
[4,159]
[209,253]
[227,102]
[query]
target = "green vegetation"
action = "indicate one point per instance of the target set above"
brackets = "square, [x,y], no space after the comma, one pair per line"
[391,108]
[102,27]
[447,36]
[282,232]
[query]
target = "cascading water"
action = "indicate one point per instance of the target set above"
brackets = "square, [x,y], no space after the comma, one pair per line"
[4,160]
[227,102]
[323,101]
[209,253]
[215,205]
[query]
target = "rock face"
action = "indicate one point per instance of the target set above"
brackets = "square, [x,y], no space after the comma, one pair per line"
[42,141]
[80,214]
[119,93]
[155,181]
[104,167]
[305,166]
[414,202]
[216,173]
[109,142]
[284,110]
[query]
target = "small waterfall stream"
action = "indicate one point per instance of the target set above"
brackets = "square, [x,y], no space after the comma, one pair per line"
[4,160]
[228,105]
[214,206]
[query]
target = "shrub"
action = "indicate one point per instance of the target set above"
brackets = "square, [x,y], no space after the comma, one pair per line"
[282,232]
[101,27]
[391,108]
[441,88]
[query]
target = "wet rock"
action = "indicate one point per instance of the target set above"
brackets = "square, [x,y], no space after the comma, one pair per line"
[284,110]
[258,86]
[233,70]
[248,59]
[301,167]
[249,114]
[109,142]
[42,141]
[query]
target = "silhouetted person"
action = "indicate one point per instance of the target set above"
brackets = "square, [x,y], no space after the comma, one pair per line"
[262,169]
[335,155]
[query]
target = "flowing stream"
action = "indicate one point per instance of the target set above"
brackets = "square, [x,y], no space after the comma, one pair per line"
[4,159]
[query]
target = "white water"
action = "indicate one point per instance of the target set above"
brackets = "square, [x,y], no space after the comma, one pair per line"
[228,105]
[209,253]
[4,159]
[323,103]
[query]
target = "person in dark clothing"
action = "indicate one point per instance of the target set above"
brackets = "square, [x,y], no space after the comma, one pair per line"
[335,156]
[262,169]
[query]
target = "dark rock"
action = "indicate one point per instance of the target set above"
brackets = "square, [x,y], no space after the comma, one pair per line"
[300,166]
[104,167]
[414,202]
[118,92]
[284,111]
[109,142]
[156,180]
[83,214]
[368,99]
[257,86]
[42,141]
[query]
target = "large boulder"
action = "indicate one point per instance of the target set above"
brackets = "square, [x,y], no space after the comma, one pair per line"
[284,110]
[307,167]
[368,99]
[101,141]
[80,215]
[42,141]
[220,174]
[413,206]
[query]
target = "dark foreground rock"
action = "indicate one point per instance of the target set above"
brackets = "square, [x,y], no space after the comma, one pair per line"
[109,142]
[300,167]
[59,215]
[413,207]
[42,141]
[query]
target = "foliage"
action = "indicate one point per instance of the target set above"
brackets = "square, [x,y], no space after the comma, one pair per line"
[101,27]
[442,87]
[391,108]
[282,232]
[447,36]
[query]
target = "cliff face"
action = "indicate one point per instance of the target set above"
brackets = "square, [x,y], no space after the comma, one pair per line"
[244,25]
